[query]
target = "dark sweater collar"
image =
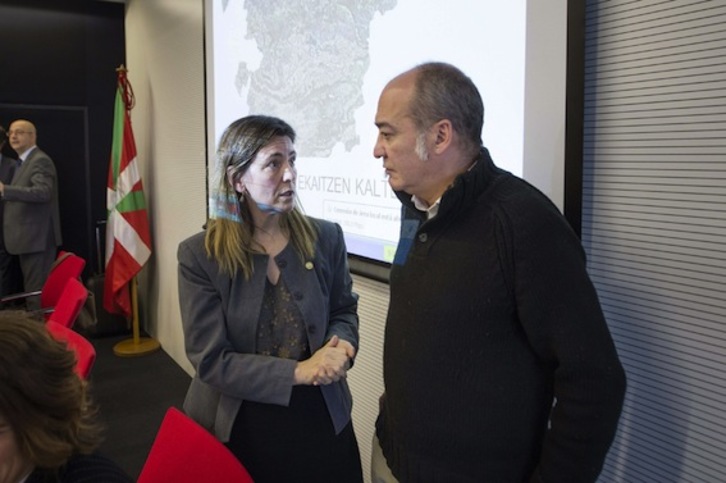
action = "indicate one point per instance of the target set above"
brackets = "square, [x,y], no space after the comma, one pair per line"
[466,187]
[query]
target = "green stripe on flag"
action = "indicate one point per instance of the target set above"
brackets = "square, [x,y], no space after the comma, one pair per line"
[132,202]
[118,136]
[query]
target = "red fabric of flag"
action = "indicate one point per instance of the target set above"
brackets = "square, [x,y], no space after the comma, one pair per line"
[128,239]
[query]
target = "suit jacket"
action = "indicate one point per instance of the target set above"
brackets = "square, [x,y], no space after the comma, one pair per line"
[31,212]
[7,170]
[220,315]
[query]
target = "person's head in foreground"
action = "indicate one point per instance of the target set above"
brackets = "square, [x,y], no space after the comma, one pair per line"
[46,416]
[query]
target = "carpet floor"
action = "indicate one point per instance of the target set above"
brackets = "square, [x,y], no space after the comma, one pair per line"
[133,394]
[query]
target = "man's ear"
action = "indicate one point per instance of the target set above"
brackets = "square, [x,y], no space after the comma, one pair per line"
[444,133]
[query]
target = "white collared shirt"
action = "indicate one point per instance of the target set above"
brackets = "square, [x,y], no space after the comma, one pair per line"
[421,205]
[22,157]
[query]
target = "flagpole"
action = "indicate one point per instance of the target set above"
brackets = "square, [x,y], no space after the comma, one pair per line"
[136,346]
[128,237]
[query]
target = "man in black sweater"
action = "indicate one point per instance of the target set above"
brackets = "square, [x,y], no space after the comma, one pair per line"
[498,362]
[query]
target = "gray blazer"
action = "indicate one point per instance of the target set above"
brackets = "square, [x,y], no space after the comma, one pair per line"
[31,212]
[219,316]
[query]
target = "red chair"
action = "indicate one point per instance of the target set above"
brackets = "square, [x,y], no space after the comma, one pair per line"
[67,265]
[70,303]
[85,352]
[184,452]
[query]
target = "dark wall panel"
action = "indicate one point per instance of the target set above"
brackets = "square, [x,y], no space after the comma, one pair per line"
[58,71]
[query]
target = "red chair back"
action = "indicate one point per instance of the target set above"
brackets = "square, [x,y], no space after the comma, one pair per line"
[184,452]
[67,265]
[70,303]
[85,352]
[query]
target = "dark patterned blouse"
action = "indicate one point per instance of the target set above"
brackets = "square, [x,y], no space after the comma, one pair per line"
[281,329]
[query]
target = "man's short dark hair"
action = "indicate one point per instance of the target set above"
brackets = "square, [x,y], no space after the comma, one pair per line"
[444,92]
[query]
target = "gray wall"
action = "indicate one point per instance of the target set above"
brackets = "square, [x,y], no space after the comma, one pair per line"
[654,227]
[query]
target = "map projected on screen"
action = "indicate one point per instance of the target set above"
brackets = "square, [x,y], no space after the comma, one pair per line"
[321,65]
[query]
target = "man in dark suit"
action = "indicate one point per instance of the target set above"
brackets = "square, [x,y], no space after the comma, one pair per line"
[31,222]
[9,280]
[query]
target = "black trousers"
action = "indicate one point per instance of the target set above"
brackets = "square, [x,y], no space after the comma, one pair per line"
[10,277]
[294,444]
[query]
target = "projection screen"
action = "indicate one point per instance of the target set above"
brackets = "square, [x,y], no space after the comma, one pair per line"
[320,65]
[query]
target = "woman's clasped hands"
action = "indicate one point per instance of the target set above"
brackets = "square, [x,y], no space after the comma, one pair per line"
[328,364]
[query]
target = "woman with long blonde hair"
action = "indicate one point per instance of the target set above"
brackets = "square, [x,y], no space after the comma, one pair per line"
[270,318]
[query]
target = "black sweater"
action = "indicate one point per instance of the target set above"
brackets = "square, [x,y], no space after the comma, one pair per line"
[492,321]
[93,468]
